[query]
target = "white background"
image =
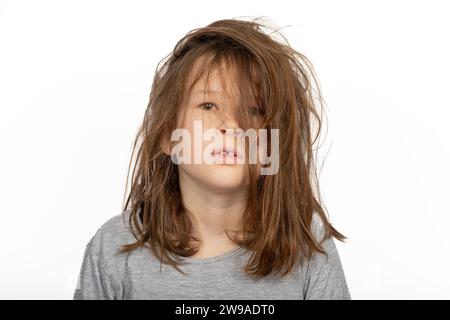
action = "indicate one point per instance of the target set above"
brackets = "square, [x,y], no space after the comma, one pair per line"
[75,78]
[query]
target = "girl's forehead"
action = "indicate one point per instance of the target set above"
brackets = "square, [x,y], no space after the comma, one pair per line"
[214,79]
[219,79]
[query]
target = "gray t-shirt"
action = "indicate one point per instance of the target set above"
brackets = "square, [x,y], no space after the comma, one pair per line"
[137,274]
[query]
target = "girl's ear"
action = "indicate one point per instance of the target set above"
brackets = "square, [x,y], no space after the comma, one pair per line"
[165,145]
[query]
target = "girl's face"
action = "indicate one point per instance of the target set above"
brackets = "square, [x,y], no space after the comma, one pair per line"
[216,111]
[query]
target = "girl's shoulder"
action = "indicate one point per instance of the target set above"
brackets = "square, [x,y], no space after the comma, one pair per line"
[110,236]
[317,226]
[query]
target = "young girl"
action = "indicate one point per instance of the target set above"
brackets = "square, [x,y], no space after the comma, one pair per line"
[222,230]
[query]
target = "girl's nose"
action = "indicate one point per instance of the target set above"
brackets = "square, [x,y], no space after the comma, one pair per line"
[231,126]
[231,131]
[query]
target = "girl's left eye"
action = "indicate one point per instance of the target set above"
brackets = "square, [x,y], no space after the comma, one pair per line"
[208,106]
[255,111]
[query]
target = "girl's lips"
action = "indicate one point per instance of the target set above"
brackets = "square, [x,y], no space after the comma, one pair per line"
[227,155]
[224,158]
[226,152]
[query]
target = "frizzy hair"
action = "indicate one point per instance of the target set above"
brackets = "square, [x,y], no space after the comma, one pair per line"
[277,221]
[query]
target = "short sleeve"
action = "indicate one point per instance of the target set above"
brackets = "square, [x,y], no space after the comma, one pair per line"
[93,281]
[325,278]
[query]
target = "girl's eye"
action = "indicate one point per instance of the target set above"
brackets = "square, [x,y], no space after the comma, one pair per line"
[208,106]
[255,111]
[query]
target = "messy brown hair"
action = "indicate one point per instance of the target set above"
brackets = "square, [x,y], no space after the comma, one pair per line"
[276,224]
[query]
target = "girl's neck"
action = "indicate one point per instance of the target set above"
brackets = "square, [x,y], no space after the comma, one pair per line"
[212,211]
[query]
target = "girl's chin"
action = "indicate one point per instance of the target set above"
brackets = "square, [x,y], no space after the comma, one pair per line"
[221,178]
[226,178]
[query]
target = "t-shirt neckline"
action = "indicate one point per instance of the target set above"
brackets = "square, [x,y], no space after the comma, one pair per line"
[212,259]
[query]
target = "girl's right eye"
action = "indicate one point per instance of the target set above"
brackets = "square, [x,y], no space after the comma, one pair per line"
[208,106]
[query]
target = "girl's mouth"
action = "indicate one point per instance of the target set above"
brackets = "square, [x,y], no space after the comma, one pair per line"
[225,155]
